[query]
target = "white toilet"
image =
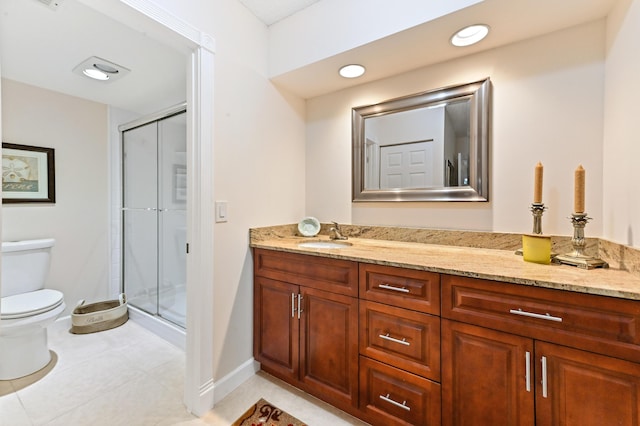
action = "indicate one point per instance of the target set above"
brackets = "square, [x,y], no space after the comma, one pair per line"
[27,307]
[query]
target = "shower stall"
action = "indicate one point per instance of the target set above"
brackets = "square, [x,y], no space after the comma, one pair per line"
[154,214]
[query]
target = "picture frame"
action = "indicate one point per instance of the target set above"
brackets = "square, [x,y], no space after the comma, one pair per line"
[28,174]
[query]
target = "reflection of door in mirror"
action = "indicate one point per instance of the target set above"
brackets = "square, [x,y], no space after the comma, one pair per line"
[372,165]
[418,148]
[405,166]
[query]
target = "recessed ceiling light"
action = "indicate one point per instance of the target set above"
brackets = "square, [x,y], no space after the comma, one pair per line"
[95,74]
[100,69]
[352,71]
[470,35]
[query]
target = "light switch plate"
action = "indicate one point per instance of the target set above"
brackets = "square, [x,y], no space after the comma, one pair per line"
[221,211]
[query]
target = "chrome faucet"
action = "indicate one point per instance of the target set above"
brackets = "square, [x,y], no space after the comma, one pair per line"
[335,233]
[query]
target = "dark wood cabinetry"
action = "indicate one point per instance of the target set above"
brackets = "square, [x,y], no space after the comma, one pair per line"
[329,346]
[391,396]
[537,371]
[276,327]
[485,380]
[579,388]
[405,339]
[306,324]
[398,346]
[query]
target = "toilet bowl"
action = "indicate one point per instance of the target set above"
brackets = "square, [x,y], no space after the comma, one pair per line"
[26,308]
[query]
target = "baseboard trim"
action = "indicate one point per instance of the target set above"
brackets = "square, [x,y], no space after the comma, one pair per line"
[228,383]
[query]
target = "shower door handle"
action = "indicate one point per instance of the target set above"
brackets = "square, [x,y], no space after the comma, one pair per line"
[140,209]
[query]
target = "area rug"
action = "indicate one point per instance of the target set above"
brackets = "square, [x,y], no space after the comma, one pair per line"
[263,413]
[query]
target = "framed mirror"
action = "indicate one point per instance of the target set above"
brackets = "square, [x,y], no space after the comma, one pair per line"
[431,146]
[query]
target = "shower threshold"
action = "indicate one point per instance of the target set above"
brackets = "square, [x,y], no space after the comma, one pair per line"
[164,329]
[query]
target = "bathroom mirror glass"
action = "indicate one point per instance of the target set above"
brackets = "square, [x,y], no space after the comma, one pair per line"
[431,146]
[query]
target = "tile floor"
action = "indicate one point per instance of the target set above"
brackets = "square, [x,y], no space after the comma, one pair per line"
[129,376]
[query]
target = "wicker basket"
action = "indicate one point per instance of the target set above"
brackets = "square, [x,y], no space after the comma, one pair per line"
[99,316]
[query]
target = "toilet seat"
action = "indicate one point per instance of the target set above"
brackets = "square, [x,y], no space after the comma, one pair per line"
[29,304]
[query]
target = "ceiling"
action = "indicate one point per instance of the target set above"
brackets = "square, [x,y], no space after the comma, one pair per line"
[272,11]
[427,44]
[40,46]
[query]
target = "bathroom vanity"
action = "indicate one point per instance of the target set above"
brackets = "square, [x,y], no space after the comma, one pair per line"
[400,333]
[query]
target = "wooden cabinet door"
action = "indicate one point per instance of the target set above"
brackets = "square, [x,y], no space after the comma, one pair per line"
[486,378]
[276,327]
[393,397]
[585,389]
[329,347]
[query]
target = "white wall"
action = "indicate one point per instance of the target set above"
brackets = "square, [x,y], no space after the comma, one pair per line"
[258,165]
[353,23]
[77,130]
[621,151]
[547,106]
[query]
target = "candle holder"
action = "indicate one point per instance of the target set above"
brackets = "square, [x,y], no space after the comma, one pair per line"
[537,209]
[577,256]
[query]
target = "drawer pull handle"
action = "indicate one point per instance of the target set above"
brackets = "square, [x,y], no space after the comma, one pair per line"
[390,287]
[543,360]
[546,316]
[527,359]
[397,404]
[394,340]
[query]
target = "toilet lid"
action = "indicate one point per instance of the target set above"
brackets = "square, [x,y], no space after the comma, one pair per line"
[32,303]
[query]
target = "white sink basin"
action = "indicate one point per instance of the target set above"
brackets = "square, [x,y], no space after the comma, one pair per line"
[324,244]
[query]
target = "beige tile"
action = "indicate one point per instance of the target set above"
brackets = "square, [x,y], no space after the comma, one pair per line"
[64,390]
[149,353]
[171,374]
[297,403]
[129,376]
[11,411]
[143,401]
[73,349]
[195,422]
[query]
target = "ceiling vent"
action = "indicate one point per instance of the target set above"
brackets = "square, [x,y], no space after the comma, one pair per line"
[52,4]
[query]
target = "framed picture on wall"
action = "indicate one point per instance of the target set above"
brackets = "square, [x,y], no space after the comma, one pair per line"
[28,174]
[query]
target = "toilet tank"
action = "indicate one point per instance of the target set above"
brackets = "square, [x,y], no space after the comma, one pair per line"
[25,265]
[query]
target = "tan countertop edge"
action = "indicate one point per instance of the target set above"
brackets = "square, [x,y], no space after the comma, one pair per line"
[493,264]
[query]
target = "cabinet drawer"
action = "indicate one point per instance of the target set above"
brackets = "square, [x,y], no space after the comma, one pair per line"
[405,288]
[334,275]
[596,323]
[406,339]
[390,396]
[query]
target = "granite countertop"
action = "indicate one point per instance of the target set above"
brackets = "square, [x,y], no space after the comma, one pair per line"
[494,264]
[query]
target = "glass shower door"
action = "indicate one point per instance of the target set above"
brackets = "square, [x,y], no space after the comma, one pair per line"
[140,216]
[172,302]
[154,217]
